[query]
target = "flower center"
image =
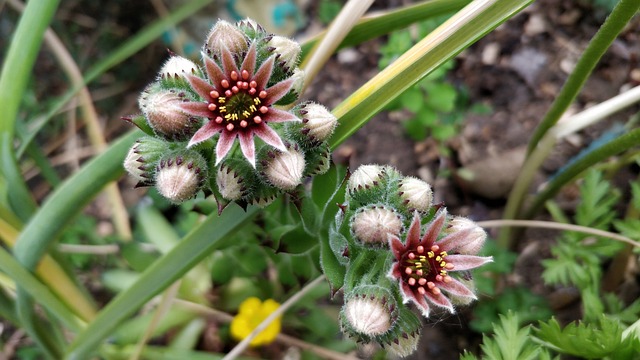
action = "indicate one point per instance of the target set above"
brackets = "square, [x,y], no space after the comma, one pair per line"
[424,269]
[239,103]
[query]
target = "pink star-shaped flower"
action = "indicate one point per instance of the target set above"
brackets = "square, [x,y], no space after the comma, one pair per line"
[423,265]
[238,104]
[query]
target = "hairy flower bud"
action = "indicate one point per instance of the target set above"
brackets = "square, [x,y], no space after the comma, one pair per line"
[164,115]
[364,177]
[402,339]
[175,69]
[415,193]
[298,81]
[142,158]
[474,241]
[224,34]
[318,160]
[234,179]
[180,175]
[283,169]
[286,50]
[374,223]
[318,122]
[369,311]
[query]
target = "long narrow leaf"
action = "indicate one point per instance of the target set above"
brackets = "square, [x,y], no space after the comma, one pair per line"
[375,25]
[215,232]
[128,48]
[69,199]
[21,57]
[456,34]
[35,288]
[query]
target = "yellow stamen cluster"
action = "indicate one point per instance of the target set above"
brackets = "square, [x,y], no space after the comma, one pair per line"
[238,103]
[419,265]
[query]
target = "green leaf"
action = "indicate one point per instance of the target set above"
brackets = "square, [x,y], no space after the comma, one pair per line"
[441,96]
[20,58]
[509,341]
[412,99]
[587,340]
[331,267]
[69,199]
[214,233]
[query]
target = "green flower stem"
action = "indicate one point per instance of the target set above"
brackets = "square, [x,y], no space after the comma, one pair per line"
[8,309]
[456,34]
[214,233]
[617,20]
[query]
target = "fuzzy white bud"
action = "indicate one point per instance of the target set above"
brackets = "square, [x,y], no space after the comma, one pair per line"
[364,177]
[319,122]
[177,66]
[367,316]
[134,166]
[374,224]
[178,179]
[415,193]
[230,184]
[163,113]
[298,80]
[287,51]
[284,169]
[224,34]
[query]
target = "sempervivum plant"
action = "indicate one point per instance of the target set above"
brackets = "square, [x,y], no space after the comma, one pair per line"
[227,113]
[399,249]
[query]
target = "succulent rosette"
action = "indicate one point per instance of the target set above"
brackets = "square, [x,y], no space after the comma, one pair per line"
[380,240]
[200,110]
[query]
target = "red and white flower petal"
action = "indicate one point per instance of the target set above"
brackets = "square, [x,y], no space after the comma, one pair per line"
[264,73]
[206,132]
[455,240]
[196,108]
[277,116]
[434,228]
[201,86]
[269,136]
[214,72]
[398,249]
[225,142]
[277,91]
[455,287]
[439,300]
[228,63]
[467,262]
[413,235]
[247,146]
[249,63]
[409,295]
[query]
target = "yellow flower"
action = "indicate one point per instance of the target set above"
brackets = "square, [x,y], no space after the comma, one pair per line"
[251,313]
